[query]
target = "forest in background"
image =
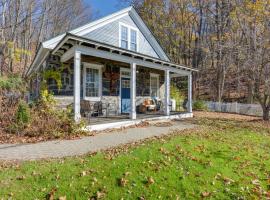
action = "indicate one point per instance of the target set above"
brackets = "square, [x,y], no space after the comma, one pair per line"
[26,23]
[227,40]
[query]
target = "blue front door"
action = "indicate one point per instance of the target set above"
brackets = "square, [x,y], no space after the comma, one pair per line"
[125,95]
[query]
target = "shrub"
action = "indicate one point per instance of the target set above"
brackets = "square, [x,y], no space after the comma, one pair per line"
[51,122]
[177,95]
[11,83]
[199,105]
[23,113]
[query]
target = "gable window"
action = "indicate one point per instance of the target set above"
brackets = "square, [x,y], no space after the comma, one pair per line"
[128,37]
[124,37]
[92,81]
[154,85]
[133,40]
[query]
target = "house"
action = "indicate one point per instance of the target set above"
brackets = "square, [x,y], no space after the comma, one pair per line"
[113,60]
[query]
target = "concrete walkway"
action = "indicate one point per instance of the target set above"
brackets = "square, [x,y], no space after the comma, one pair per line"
[101,141]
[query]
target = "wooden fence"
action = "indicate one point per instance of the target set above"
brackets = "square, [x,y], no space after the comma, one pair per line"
[239,108]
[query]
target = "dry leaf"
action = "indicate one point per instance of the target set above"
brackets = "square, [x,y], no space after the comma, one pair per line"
[206,194]
[83,173]
[100,195]
[123,182]
[255,182]
[63,198]
[50,196]
[150,180]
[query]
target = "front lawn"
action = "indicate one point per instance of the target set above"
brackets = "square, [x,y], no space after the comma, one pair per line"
[222,159]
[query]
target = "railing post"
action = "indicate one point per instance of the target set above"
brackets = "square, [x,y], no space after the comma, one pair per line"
[190,93]
[167,92]
[133,91]
[77,84]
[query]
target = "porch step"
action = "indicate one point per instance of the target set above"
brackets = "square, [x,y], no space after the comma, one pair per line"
[127,123]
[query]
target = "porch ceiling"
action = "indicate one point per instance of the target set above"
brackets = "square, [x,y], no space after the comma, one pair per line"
[71,43]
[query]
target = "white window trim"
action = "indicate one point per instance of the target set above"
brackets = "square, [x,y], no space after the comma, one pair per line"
[92,66]
[129,34]
[158,86]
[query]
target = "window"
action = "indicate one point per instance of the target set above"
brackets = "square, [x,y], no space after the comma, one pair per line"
[128,38]
[92,81]
[154,85]
[124,37]
[133,40]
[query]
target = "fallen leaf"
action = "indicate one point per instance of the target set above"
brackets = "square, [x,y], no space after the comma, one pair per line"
[205,194]
[83,173]
[123,182]
[63,198]
[20,178]
[255,182]
[150,180]
[100,195]
[228,181]
[50,196]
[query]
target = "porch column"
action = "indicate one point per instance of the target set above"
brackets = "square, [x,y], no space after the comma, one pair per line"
[189,106]
[167,93]
[77,83]
[133,90]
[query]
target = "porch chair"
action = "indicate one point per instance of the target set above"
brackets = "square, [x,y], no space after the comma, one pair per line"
[91,109]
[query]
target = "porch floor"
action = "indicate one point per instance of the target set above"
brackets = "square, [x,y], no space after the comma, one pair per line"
[122,118]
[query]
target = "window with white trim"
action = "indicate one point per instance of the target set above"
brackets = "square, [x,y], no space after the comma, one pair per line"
[154,85]
[92,81]
[124,37]
[133,40]
[128,37]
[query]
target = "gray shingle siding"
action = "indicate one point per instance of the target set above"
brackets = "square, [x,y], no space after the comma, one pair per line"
[110,34]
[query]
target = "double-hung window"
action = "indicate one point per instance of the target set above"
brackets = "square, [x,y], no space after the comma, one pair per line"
[92,81]
[128,38]
[133,40]
[124,37]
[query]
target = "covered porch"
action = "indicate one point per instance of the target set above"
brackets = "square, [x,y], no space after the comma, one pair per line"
[138,86]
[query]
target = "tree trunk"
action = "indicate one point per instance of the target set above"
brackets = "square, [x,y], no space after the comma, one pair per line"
[266,113]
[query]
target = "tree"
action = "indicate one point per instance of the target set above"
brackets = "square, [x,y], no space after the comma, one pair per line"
[26,23]
[252,21]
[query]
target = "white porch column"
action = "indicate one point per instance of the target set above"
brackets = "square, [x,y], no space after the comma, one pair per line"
[77,85]
[133,90]
[189,106]
[167,92]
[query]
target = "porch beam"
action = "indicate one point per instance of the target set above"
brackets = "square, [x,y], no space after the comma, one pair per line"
[77,83]
[68,54]
[167,93]
[189,107]
[133,90]
[117,57]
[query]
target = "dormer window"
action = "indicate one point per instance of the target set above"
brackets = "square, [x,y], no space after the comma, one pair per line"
[128,37]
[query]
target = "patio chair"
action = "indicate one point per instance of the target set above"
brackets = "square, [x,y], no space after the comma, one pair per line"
[91,109]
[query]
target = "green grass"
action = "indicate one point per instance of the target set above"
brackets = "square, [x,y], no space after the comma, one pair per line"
[223,159]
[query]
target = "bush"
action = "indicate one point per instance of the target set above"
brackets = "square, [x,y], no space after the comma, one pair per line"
[11,83]
[199,105]
[50,122]
[23,113]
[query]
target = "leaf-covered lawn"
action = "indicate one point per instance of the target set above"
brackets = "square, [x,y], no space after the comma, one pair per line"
[222,159]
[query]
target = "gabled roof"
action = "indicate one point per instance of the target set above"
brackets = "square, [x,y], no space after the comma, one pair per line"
[47,46]
[50,44]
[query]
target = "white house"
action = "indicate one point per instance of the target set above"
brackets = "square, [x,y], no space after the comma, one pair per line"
[115,60]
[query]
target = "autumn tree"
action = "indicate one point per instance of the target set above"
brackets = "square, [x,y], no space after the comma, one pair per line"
[251,19]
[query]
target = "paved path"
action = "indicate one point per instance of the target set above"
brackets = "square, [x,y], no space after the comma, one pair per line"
[101,141]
